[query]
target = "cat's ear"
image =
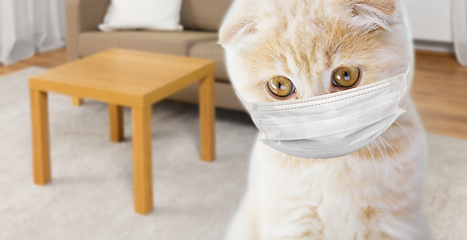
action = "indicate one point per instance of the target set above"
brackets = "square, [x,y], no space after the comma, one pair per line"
[239,23]
[373,14]
[387,7]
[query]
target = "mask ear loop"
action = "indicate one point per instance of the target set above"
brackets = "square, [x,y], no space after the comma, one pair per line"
[251,108]
[248,105]
[410,65]
[407,73]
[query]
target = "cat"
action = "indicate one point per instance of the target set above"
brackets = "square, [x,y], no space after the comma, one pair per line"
[373,193]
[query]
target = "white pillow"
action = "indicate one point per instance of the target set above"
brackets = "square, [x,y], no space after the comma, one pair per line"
[143,14]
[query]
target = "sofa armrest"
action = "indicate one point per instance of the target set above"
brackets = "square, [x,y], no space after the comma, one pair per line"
[82,16]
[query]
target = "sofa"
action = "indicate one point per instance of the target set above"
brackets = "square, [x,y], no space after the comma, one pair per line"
[201,20]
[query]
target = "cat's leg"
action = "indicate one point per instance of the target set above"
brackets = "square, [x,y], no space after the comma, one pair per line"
[243,225]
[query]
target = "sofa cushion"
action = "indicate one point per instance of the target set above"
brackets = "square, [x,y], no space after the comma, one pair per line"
[143,14]
[177,43]
[214,51]
[206,15]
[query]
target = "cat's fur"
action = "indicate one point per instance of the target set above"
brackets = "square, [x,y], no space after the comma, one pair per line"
[374,193]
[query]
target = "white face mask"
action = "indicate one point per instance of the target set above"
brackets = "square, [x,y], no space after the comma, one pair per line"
[331,125]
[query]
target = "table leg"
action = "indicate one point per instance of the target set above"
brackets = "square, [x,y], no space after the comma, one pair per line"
[40,137]
[76,101]
[116,122]
[142,160]
[207,118]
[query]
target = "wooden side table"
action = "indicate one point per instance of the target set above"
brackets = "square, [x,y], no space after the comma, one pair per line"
[124,78]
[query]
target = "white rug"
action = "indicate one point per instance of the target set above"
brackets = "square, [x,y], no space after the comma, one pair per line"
[91,196]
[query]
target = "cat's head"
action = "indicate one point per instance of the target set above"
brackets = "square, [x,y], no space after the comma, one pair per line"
[294,49]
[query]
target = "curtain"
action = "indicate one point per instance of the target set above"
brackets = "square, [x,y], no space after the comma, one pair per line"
[30,26]
[459,24]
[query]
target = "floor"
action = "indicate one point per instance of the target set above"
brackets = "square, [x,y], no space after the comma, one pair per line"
[440,93]
[45,60]
[91,197]
[439,88]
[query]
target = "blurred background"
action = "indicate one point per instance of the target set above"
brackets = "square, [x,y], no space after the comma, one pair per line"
[193,200]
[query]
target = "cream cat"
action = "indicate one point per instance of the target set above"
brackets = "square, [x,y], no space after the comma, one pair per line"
[293,49]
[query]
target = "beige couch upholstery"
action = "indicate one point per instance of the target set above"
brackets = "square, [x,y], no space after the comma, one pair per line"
[201,19]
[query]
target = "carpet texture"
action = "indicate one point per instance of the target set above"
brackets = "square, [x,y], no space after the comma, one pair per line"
[91,195]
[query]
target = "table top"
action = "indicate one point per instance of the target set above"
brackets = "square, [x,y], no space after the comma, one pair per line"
[124,77]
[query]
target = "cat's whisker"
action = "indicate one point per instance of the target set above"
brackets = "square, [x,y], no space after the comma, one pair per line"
[400,165]
[352,166]
[411,143]
[385,165]
[341,163]
[384,146]
[366,161]
[367,172]
[407,103]
[355,164]
[376,168]
[392,131]
[385,149]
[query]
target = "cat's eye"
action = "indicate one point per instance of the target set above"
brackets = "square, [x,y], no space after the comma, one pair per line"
[281,86]
[346,76]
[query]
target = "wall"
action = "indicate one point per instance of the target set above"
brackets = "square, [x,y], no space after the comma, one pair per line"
[430,20]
